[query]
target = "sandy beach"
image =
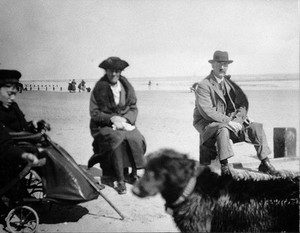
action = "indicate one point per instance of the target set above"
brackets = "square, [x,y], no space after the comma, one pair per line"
[165,119]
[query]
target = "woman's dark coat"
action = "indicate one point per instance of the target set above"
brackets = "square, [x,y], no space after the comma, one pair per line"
[102,108]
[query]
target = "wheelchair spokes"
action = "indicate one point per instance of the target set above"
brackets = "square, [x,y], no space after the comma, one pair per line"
[22,219]
[34,185]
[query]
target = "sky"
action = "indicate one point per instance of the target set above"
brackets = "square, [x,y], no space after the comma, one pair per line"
[66,39]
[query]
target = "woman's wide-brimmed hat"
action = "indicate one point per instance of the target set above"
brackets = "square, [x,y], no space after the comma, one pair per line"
[220,56]
[113,63]
[9,77]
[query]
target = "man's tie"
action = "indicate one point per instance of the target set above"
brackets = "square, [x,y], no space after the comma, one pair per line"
[222,87]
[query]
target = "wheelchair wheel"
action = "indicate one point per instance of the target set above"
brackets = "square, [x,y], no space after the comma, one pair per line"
[22,219]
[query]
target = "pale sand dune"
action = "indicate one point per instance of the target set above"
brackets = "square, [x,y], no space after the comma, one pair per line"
[165,119]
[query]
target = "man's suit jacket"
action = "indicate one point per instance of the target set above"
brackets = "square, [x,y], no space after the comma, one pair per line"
[210,106]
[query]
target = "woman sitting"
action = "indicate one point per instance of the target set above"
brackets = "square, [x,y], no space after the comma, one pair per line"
[118,144]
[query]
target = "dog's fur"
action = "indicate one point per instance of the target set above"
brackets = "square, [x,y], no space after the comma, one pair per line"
[242,203]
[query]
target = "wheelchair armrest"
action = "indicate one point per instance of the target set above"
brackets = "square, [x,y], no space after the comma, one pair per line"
[26,137]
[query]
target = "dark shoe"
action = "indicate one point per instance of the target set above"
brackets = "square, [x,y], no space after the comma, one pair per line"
[266,167]
[225,170]
[132,178]
[121,187]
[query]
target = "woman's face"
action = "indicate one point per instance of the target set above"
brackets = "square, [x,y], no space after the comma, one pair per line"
[113,75]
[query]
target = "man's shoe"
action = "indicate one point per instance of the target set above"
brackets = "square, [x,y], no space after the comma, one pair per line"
[121,187]
[225,170]
[266,167]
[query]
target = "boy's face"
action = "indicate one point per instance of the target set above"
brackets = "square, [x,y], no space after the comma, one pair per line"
[7,95]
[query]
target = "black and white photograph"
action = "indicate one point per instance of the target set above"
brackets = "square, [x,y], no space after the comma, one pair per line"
[149,116]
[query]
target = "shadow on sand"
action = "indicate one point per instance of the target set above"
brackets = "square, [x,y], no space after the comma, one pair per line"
[52,213]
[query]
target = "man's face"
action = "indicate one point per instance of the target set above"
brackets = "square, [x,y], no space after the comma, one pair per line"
[7,95]
[220,69]
[113,75]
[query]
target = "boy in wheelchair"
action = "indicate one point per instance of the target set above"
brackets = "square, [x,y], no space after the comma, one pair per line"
[13,157]
[12,160]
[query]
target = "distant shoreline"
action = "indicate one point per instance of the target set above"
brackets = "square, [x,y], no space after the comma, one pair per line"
[237,77]
[267,82]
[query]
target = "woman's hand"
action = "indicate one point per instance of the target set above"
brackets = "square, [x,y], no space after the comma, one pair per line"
[118,119]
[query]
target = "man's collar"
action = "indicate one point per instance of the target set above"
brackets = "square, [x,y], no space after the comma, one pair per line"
[217,79]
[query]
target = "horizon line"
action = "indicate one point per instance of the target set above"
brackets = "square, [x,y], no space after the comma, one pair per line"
[179,76]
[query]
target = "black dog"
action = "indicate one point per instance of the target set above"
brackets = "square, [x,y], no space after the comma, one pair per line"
[203,201]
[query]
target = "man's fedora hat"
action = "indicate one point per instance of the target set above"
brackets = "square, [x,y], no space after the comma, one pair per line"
[113,63]
[9,77]
[220,56]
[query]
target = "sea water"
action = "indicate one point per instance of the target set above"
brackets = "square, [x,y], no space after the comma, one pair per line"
[184,83]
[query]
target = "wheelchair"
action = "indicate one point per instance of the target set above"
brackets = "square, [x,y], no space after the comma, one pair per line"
[57,179]
[21,217]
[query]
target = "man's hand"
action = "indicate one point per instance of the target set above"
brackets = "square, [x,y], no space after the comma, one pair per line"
[235,126]
[30,158]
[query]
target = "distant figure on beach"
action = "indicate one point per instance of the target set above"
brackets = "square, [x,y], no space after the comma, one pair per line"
[81,86]
[220,114]
[72,86]
[149,84]
[118,144]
